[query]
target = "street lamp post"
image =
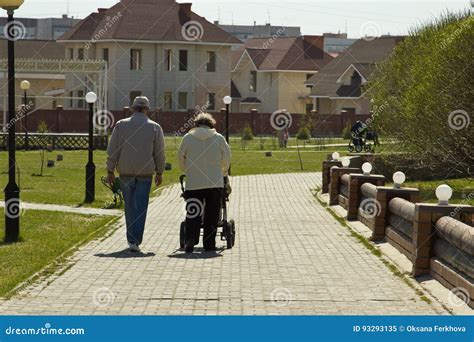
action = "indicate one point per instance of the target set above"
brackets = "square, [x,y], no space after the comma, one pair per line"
[91,98]
[227,102]
[25,86]
[12,191]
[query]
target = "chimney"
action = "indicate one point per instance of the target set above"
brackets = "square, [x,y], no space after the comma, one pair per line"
[185,12]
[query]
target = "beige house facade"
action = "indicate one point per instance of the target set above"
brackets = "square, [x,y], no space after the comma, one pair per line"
[271,76]
[153,56]
[341,86]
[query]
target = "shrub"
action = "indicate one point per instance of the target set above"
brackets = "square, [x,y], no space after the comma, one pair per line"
[422,96]
[346,132]
[303,133]
[247,133]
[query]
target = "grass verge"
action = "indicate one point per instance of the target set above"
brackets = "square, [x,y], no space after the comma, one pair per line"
[47,239]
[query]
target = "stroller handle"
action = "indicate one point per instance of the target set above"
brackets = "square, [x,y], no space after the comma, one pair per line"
[181,181]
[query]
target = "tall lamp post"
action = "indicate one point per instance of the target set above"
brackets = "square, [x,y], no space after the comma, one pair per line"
[25,86]
[227,102]
[12,191]
[91,99]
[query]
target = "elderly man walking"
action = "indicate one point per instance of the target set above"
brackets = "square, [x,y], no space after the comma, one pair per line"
[137,151]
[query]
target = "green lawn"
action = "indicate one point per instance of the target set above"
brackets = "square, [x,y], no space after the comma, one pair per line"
[64,183]
[45,236]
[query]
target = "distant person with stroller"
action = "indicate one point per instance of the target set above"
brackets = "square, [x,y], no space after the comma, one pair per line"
[204,156]
[137,150]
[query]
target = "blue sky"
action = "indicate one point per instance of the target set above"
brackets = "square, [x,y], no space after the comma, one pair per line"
[314,16]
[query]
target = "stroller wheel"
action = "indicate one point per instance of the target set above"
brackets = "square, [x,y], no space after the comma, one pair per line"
[358,148]
[182,235]
[228,234]
[351,148]
[232,230]
[368,148]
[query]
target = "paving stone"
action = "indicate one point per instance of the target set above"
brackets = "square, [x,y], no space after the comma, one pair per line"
[291,258]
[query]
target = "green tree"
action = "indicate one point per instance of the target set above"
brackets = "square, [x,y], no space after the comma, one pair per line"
[422,96]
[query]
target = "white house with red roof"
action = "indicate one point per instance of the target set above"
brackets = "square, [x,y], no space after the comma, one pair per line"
[157,48]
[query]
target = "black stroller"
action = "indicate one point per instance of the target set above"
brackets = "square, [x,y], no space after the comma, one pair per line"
[359,137]
[228,226]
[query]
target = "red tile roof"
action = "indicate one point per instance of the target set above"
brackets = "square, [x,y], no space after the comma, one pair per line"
[145,20]
[285,53]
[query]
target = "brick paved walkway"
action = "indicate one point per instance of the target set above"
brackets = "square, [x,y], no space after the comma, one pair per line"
[291,257]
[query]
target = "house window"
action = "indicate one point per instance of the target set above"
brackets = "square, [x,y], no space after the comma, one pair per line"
[105,55]
[135,59]
[71,99]
[211,61]
[80,54]
[182,101]
[211,101]
[134,94]
[80,99]
[308,76]
[183,60]
[356,80]
[253,81]
[70,53]
[168,60]
[168,100]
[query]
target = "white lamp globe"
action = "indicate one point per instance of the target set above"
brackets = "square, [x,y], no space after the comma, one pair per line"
[366,168]
[227,100]
[345,161]
[25,85]
[444,193]
[91,97]
[398,179]
[336,156]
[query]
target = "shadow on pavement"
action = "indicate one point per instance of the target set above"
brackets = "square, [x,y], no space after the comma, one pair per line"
[123,254]
[199,253]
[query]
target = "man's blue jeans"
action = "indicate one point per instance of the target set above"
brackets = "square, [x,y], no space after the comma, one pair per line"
[136,192]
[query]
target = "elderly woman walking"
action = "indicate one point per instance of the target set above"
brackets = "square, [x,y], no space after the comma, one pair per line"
[204,156]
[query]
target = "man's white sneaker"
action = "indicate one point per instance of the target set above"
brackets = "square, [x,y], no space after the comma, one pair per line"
[134,248]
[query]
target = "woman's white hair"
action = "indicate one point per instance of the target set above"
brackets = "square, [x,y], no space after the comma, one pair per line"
[205,119]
